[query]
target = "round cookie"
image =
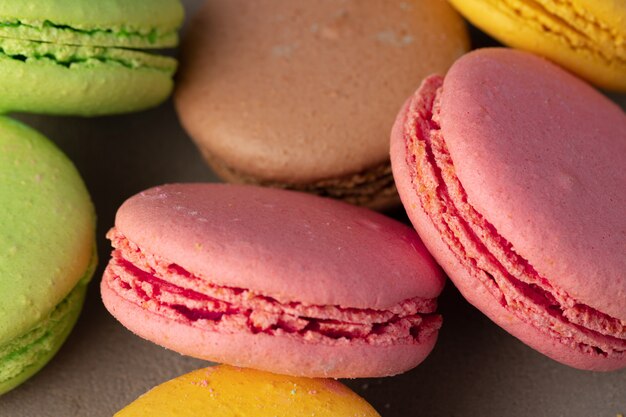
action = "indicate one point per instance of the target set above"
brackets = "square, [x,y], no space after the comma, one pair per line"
[79,57]
[511,170]
[47,250]
[224,391]
[270,279]
[584,36]
[302,95]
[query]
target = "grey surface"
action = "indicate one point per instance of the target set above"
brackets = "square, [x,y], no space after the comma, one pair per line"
[476,369]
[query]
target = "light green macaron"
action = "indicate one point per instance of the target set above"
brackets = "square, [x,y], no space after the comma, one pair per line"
[47,250]
[80,57]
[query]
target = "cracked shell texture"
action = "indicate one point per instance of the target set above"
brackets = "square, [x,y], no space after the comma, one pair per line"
[539,154]
[80,80]
[587,37]
[127,23]
[555,188]
[101,75]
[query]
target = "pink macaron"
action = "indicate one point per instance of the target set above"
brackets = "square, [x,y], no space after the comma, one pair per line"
[512,171]
[274,280]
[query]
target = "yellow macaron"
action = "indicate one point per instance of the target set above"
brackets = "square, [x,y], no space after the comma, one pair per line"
[587,37]
[225,391]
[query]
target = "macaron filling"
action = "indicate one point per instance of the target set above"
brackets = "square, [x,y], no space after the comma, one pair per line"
[167,289]
[125,36]
[486,255]
[82,56]
[25,354]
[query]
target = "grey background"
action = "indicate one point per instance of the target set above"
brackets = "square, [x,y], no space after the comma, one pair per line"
[476,369]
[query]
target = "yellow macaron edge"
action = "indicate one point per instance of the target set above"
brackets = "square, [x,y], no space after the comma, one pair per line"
[226,391]
[587,37]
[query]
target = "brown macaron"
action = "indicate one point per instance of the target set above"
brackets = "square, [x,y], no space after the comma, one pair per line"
[302,95]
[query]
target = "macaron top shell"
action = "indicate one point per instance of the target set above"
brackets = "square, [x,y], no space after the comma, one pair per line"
[47,225]
[225,391]
[541,156]
[130,23]
[315,98]
[286,245]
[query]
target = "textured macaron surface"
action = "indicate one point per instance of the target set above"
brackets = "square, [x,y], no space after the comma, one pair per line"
[313,101]
[79,57]
[518,165]
[225,391]
[23,356]
[248,260]
[127,23]
[87,80]
[274,242]
[47,244]
[584,36]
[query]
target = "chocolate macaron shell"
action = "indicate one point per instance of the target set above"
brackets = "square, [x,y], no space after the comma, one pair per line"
[313,100]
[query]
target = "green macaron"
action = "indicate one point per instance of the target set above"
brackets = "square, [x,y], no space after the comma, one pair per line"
[81,57]
[47,250]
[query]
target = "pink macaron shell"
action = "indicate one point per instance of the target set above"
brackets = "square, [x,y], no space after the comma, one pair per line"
[497,107]
[287,245]
[258,351]
[470,287]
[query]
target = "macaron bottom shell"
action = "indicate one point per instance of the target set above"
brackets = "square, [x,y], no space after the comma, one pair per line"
[373,188]
[24,356]
[75,80]
[225,391]
[347,359]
